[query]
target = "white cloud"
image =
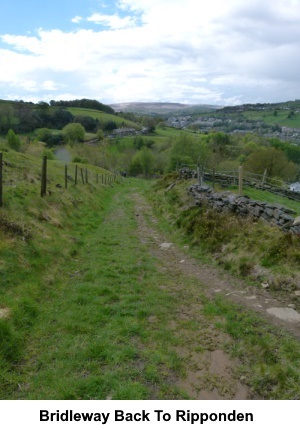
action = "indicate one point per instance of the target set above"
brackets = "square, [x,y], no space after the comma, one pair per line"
[76,19]
[114,22]
[198,51]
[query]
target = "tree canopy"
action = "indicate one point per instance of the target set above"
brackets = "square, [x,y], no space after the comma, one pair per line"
[73,133]
[274,160]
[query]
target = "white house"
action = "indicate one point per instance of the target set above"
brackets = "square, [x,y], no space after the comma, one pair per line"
[295,187]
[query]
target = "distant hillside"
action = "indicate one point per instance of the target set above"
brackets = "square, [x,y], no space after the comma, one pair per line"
[162,109]
[289,105]
[25,117]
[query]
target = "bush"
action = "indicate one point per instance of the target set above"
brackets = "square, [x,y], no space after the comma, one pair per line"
[73,133]
[13,140]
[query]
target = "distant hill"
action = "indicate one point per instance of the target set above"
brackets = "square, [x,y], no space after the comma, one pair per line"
[162,109]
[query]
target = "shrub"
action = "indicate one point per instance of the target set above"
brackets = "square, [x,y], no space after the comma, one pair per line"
[13,140]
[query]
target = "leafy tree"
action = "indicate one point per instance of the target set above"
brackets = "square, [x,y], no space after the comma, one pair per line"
[100,135]
[136,167]
[90,124]
[149,122]
[13,140]
[110,126]
[275,161]
[142,163]
[291,151]
[43,134]
[73,133]
[51,139]
[83,103]
[60,117]
[188,150]
[138,142]
[219,142]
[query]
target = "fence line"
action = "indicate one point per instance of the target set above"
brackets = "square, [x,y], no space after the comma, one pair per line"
[234,177]
[45,176]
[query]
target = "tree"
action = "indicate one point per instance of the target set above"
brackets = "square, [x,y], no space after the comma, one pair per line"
[188,150]
[275,161]
[60,117]
[138,142]
[110,126]
[149,123]
[90,124]
[142,163]
[13,140]
[73,133]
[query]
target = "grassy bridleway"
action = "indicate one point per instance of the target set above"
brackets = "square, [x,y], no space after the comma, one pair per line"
[119,322]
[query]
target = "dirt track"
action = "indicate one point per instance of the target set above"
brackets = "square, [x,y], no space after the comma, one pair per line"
[211,374]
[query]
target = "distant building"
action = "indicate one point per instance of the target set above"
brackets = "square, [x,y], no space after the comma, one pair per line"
[295,187]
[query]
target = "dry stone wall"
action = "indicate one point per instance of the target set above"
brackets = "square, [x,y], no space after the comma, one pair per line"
[274,214]
[227,180]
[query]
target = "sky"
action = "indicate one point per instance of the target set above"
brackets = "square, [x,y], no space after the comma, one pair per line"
[219,52]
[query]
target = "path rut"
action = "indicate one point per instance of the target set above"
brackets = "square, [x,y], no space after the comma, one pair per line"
[211,373]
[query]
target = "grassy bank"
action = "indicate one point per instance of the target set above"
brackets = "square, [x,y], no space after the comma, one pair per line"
[78,296]
[252,250]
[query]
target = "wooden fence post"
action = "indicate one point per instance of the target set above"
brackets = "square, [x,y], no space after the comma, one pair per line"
[264,178]
[97,179]
[1,182]
[86,176]
[240,180]
[82,175]
[44,177]
[199,174]
[76,174]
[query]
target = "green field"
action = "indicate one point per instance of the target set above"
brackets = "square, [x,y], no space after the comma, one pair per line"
[269,118]
[103,117]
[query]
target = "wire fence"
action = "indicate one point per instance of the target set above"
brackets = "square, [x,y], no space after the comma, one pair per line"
[50,173]
[239,177]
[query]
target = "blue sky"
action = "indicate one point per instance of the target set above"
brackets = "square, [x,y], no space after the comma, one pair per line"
[189,51]
[25,17]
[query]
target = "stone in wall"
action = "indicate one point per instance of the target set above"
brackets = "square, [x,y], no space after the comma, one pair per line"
[274,214]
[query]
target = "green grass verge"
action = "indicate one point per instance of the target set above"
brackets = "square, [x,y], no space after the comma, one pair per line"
[79,295]
[269,357]
[252,250]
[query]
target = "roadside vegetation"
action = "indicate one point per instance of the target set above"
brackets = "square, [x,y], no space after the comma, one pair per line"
[247,249]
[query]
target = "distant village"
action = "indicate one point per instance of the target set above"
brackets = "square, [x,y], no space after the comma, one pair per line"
[230,125]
